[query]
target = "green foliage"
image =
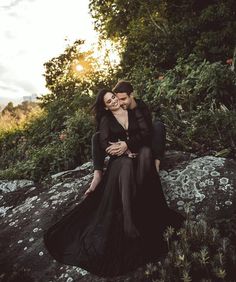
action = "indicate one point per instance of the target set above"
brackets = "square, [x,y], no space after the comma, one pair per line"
[67,84]
[9,150]
[23,156]
[155,33]
[198,102]
[197,252]
[59,137]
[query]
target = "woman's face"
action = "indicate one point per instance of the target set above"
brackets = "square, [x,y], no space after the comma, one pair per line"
[111,101]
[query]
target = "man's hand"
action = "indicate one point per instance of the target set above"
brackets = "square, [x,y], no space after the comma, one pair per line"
[117,148]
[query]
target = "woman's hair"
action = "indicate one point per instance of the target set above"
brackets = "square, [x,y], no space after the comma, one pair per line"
[99,105]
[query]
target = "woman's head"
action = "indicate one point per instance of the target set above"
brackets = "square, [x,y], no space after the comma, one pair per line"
[106,100]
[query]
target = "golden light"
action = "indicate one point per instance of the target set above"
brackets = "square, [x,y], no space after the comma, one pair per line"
[79,67]
[109,52]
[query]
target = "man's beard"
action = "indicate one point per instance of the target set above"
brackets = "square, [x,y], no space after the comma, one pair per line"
[124,107]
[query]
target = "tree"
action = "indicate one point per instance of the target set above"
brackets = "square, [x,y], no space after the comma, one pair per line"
[155,33]
[9,108]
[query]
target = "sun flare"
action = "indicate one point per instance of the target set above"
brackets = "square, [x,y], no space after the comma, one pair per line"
[79,67]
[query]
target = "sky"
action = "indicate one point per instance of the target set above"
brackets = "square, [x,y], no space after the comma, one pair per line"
[31,33]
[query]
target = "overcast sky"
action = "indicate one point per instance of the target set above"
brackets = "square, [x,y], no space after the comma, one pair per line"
[31,33]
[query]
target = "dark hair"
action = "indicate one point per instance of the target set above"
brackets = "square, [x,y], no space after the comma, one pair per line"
[99,105]
[123,87]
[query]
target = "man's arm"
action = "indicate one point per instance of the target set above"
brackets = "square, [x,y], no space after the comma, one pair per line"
[142,106]
[158,133]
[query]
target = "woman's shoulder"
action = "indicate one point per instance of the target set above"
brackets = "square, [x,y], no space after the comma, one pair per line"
[105,118]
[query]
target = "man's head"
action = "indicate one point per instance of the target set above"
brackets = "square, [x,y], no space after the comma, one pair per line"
[123,91]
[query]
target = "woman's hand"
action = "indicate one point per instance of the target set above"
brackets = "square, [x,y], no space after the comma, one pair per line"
[117,148]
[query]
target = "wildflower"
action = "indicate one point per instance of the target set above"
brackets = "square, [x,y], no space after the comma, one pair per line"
[224,244]
[181,257]
[195,256]
[168,234]
[204,226]
[220,273]
[186,277]
[204,258]
[215,233]
[62,136]
[229,61]
[170,231]
[221,258]
[150,268]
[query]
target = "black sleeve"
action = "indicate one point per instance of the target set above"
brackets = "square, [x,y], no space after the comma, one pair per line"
[147,114]
[143,136]
[104,132]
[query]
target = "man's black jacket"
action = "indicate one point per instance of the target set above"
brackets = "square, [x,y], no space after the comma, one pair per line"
[146,112]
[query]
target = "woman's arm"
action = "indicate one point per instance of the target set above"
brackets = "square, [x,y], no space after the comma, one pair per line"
[104,132]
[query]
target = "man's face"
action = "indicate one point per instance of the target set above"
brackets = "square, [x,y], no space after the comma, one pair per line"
[125,100]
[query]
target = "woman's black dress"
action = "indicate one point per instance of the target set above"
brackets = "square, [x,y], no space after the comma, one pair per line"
[95,234]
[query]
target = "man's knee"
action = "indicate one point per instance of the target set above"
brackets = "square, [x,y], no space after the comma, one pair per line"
[158,126]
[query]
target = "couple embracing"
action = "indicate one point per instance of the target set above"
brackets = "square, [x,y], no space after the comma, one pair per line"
[119,225]
[123,91]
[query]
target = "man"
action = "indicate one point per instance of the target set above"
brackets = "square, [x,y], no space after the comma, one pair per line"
[124,91]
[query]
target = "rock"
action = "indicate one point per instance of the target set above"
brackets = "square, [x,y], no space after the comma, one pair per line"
[73,172]
[173,158]
[203,185]
[9,186]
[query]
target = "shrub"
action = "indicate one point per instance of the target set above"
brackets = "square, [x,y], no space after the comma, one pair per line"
[68,148]
[198,103]
[198,253]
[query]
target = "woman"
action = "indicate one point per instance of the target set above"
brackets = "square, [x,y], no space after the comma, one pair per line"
[119,226]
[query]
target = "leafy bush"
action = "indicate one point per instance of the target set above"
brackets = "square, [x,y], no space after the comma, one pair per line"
[198,102]
[13,118]
[66,149]
[154,34]
[59,137]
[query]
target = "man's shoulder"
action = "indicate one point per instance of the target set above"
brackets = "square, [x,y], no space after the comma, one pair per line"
[140,103]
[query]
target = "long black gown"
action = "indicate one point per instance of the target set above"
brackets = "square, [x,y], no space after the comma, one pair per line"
[93,235]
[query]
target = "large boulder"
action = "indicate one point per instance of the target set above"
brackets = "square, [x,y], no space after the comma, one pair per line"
[203,184]
[206,185]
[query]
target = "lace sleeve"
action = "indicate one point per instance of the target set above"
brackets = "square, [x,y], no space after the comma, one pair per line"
[104,132]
